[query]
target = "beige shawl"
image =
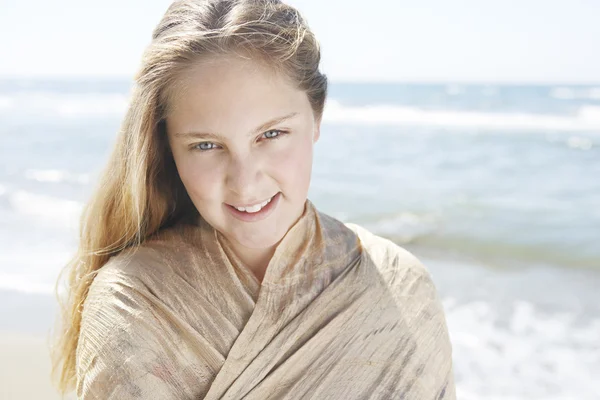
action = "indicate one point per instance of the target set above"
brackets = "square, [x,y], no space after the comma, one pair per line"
[341,314]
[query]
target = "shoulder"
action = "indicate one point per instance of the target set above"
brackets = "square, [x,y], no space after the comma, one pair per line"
[398,267]
[133,285]
[142,276]
[130,340]
[417,301]
[385,252]
[124,309]
[117,318]
[153,261]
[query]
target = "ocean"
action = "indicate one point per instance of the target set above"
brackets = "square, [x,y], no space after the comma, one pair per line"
[496,188]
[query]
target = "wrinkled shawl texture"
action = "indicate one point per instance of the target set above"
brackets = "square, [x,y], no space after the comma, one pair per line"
[340,314]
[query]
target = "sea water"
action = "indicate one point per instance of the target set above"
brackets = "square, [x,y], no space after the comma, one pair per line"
[496,188]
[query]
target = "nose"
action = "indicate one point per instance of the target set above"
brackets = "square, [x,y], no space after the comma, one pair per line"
[243,177]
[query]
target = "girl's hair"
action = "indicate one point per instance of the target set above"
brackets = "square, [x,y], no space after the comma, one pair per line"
[140,191]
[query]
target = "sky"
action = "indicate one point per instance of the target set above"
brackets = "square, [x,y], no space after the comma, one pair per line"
[492,41]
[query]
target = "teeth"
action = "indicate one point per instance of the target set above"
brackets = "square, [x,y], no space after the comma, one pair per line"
[254,208]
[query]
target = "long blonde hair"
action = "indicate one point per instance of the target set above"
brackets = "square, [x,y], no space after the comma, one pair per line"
[140,191]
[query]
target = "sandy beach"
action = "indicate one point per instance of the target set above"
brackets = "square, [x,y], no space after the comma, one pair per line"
[25,323]
[25,368]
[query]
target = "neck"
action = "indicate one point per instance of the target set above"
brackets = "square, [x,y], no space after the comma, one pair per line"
[256,260]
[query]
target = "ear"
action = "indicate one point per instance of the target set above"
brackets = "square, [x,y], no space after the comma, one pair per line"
[317,132]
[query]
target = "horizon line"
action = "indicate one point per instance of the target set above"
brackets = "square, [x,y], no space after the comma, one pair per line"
[416,81]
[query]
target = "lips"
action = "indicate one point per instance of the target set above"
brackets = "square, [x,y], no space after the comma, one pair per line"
[263,213]
[254,207]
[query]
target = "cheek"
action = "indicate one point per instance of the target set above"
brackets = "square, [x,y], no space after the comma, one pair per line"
[293,166]
[199,180]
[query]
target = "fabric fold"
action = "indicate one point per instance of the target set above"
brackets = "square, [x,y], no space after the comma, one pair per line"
[340,313]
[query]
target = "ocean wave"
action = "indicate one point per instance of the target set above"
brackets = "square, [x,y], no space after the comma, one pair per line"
[31,266]
[404,227]
[77,105]
[426,232]
[24,284]
[503,254]
[64,105]
[62,212]
[56,176]
[577,142]
[552,355]
[569,93]
[586,119]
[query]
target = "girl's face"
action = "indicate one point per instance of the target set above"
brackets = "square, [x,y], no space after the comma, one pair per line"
[240,136]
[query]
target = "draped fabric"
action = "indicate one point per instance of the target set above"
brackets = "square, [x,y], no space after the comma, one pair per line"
[340,314]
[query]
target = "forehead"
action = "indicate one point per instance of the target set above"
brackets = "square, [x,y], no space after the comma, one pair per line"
[225,87]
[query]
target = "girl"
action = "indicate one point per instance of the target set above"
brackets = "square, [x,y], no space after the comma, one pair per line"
[203,269]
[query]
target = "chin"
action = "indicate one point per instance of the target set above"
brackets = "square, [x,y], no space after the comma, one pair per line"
[256,235]
[262,237]
[264,242]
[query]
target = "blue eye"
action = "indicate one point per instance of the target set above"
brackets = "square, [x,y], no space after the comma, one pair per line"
[273,134]
[207,146]
[204,146]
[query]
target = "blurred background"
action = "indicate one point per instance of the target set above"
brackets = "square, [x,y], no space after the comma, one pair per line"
[466,131]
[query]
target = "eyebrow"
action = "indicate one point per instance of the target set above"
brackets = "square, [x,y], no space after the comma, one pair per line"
[259,129]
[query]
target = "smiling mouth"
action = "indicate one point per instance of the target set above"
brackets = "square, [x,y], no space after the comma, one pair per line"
[254,208]
[262,212]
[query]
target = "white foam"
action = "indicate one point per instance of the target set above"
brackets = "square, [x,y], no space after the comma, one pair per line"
[24,284]
[56,176]
[594,93]
[405,226]
[32,263]
[587,119]
[65,105]
[549,355]
[563,93]
[569,93]
[590,114]
[5,103]
[50,209]
[576,142]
